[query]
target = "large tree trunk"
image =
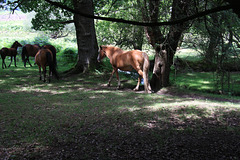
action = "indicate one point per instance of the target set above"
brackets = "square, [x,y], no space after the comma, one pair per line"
[86,37]
[165,46]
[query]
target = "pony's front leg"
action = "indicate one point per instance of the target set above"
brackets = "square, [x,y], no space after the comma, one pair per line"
[119,83]
[15,61]
[110,79]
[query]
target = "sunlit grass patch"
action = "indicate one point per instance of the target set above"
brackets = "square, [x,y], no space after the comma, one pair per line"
[188,54]
[206,82]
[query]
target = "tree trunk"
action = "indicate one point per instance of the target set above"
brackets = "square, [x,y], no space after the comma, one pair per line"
[86,37]
[215,37]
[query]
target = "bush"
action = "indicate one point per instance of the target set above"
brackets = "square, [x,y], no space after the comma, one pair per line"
[69,55]
[42,40]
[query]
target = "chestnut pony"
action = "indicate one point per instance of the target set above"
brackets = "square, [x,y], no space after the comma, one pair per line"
[29,51]
[127,61]
[12,52]
[54,52]
[44,58]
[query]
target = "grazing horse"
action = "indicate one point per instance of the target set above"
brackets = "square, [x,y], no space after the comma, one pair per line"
[127,61]
[44,58]
[54,52]
[29,51]
[12,52]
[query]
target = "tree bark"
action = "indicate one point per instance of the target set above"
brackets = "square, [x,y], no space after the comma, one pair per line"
[86,37]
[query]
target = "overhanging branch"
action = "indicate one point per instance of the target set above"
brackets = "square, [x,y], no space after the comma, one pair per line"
[197,15]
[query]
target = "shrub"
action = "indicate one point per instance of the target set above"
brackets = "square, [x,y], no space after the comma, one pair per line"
[69,55]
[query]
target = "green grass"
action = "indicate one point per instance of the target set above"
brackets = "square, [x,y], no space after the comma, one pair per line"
[205,82]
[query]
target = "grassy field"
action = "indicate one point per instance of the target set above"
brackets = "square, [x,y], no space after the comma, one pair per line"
[79,117]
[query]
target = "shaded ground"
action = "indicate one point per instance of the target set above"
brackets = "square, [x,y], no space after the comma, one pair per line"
[80,118]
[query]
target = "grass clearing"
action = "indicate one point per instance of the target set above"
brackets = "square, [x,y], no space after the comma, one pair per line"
[79,117]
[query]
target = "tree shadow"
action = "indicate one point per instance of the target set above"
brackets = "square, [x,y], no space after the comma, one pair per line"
[80,118]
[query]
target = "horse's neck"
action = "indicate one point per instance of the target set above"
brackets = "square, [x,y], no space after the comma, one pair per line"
[111,53]
[15,46]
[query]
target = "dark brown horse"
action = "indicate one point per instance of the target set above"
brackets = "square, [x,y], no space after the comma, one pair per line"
[12,52]
[29,51]
[54,52]
[127,61]
[44,58]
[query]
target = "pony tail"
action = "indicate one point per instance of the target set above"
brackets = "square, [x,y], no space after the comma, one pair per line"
[146,66]
[24,52]
[52,67]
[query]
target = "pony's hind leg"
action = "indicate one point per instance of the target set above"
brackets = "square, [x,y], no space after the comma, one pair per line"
[10,62]
[139,81]
[40,73]
[44,74]
[3,63]
[28,61]
[140,73]
[50,75]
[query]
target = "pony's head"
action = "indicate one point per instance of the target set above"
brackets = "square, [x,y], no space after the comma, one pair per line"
[16,44]
[102,53]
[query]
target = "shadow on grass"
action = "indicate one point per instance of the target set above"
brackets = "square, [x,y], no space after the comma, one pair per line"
[80,118]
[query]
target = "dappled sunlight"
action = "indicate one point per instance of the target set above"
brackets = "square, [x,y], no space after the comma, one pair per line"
[189,118]
[38,90]
[81,111]
[2,81]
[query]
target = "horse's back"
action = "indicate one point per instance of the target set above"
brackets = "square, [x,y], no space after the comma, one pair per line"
[128,60]
[134,55]
[32,49]
[51,48]
[9,51]
[41,56]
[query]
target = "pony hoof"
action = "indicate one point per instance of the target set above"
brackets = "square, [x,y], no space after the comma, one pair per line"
[135,89]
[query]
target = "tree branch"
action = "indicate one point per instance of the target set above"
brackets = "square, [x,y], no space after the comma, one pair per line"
[111,7]
[19,2]
[173,22]
[67,22]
